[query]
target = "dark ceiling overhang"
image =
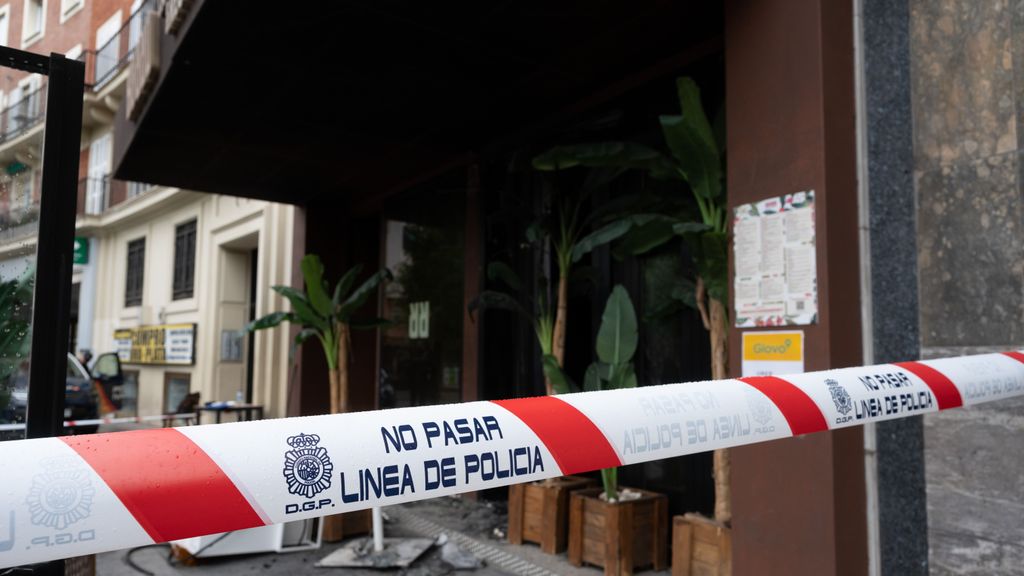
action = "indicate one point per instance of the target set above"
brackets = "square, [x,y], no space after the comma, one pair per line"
[285,103]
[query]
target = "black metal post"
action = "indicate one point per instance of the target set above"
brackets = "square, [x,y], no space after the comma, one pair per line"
[55,247]
[54,252]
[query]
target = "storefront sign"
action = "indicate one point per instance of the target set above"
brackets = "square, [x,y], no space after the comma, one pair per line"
[162,344]
[773,353]
[81,254]
[776,279]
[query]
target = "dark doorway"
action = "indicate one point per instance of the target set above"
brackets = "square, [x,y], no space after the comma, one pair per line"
[423,245]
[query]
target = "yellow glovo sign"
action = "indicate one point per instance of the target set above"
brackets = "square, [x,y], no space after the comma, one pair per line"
[771,353]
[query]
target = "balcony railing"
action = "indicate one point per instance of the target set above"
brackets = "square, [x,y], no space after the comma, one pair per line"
[18,223]
[23,114]
[104,63]
[103,192]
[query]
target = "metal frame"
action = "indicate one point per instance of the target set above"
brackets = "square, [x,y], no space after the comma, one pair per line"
[55,245]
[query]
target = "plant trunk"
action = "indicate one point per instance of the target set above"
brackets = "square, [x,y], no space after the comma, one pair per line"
[719,330]
[558,334]
[341,383]
[333,375]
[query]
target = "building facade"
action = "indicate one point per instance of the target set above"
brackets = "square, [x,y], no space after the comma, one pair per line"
[147,257]
[903,117]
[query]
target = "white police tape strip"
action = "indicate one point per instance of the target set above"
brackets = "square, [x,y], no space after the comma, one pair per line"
[98,421]
[78,495]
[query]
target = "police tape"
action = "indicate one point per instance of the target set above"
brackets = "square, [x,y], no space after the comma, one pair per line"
[98,421]
[78,495]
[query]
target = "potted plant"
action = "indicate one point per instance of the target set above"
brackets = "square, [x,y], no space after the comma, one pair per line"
[329,320]
[696,157]
[538,512]
[615,527]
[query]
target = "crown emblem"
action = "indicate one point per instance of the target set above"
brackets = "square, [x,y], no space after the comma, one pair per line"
[303,440]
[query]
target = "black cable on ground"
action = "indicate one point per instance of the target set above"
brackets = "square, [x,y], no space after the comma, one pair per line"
[131,563]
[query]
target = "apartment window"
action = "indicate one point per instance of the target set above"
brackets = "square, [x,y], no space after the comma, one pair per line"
[69,7]
[134,275]
[5,23]
[33,21]
[184,259]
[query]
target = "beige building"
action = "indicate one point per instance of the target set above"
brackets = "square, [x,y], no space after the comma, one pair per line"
[147,257]
[203,258]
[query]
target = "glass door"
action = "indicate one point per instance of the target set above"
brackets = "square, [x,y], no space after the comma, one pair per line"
[421,355]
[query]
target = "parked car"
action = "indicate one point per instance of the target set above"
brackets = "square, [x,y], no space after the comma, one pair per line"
[84,393]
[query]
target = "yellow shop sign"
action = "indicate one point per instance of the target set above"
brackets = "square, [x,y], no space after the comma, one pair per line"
[771,353]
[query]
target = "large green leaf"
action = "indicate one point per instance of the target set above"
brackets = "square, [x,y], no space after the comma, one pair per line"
[684,228]
[313,274]
[693,110]
[697,158]
[622,376]
[596,377]
[599,237]
[304,312]
[560,383]
[270,320]
[617,336]
[645,237]
[372,324]
[362,293]
[623,155]
[345,284]
[682,296]
[499,301]
[503,272]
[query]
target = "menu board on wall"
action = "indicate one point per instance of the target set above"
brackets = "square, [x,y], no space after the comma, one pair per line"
[162,344]
[776,278]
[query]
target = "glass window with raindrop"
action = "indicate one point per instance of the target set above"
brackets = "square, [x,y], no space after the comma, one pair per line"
[22,117]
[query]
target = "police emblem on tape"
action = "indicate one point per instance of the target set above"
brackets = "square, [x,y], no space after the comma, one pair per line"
[60,496]
[840,397]
[307,467]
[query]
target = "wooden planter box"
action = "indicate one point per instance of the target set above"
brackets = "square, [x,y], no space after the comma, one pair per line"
[700,547]
[621,536]
[337,527]
[539,511]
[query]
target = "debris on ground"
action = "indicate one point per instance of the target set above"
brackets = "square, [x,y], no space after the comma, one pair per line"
[458,558]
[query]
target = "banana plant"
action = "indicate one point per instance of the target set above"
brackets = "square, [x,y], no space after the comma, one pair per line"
[615,346]
[695,156]
[328,318]
[539,314]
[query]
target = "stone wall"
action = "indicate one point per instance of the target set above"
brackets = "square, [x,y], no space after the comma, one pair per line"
[967,78]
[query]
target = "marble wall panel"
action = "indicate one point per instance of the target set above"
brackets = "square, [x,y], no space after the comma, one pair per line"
[963,80]
[971,253]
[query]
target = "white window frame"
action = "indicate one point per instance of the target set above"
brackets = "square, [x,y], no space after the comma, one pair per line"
[106,61]
[26,39]
[26,87]
[74,53]
[69,8]
[5,29]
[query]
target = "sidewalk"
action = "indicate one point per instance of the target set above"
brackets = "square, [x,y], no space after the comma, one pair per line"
[468,524]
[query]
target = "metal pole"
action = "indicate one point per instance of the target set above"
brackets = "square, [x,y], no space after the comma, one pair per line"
[54,253]
[378,530]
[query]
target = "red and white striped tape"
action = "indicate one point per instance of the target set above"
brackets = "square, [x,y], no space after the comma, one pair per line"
[78,495]
[98,421]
